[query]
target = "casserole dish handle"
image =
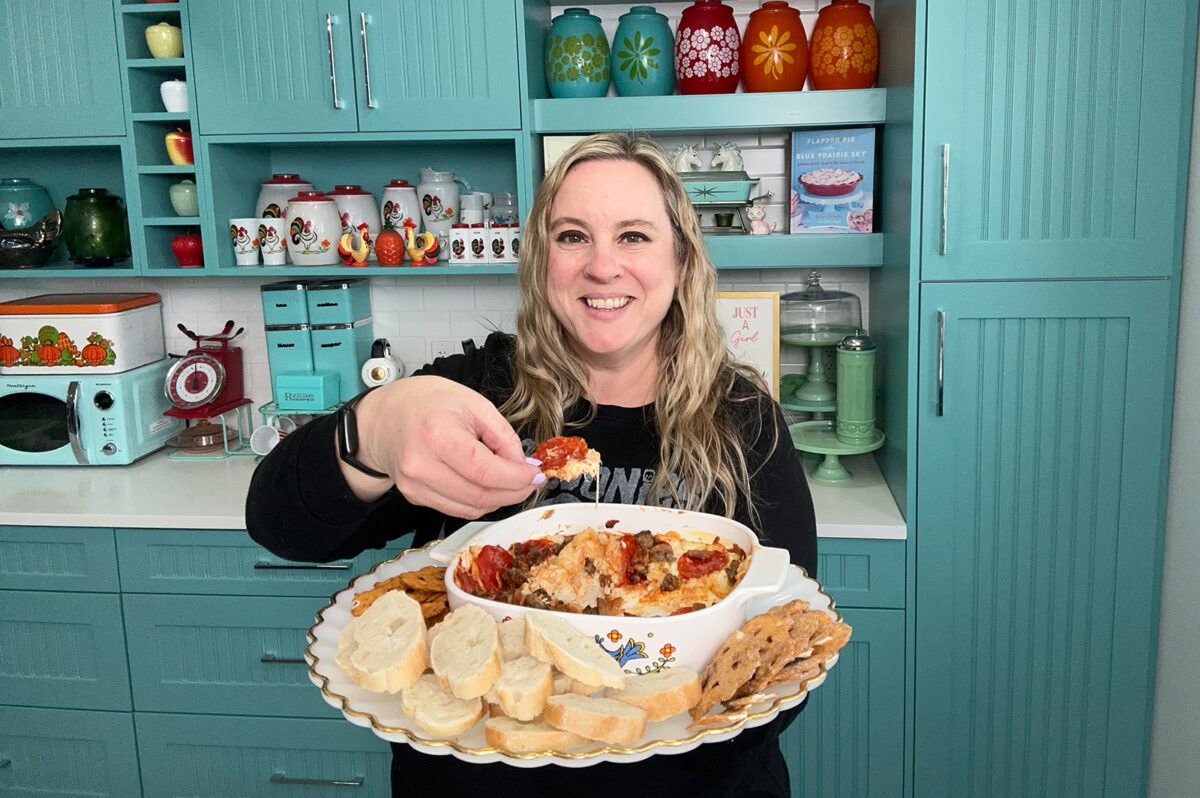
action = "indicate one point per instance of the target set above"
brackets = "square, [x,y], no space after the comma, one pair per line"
[444,550]
[767,572]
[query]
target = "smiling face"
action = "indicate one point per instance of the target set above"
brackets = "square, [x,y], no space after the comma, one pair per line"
[611,263]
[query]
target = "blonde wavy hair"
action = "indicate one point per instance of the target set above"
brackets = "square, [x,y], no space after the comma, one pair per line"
[695,389]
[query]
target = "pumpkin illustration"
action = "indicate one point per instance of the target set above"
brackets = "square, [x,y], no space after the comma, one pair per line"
[49,354]
[9,354]
[93,354]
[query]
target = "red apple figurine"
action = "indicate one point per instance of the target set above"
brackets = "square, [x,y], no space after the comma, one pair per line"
[188,250]
[179,147]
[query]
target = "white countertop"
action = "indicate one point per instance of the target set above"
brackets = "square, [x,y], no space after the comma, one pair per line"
[164,493]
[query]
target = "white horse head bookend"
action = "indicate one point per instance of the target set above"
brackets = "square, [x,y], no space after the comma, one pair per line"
[727,158]
[684,158]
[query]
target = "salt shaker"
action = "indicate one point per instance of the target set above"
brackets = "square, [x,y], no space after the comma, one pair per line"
[856,389]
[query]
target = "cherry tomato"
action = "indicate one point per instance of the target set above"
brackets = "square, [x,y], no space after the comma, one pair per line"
[555,452]
[465,582]
[692,564]
[491,562]
[535,546]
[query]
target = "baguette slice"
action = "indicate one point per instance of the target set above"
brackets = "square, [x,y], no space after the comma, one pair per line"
[383,650]
[553,640]
[436,711]
[523,687]
[465,655]
[662,693]
[604,719]
[512,639]
[528,736]
[565,684]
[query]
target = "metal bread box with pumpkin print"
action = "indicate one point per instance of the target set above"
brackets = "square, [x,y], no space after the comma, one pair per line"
[80,333]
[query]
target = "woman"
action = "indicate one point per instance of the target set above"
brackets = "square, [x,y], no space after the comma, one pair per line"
[618,342]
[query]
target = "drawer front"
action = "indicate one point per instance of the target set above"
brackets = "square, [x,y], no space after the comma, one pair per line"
[209,755]
[222,654]
[63,650]
[862,573]
[53,558]
[226,561]
[67,752]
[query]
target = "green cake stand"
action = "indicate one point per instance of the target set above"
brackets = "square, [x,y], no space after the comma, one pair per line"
[820,437]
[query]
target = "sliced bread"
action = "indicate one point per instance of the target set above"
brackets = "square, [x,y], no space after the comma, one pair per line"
[523,686]
[512,638]
[521,736]
[551,639]
[465,655]
[604,719]
[436,711]
[662,693]
[383,650]
[565,684]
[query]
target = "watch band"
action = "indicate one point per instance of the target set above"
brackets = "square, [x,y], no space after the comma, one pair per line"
[347,437]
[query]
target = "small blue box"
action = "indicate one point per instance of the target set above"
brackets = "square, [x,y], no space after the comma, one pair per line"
[306,390]
[338,301]
[285,302]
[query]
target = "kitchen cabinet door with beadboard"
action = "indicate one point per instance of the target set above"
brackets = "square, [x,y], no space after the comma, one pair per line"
[1054,135]
[1041,476]
[59,75]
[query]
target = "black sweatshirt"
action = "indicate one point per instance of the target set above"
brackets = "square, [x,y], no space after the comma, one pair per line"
[299,507]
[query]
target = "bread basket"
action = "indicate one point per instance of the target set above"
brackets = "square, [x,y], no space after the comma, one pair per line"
[640,645]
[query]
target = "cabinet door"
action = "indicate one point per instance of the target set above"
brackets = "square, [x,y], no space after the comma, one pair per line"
[58,70]
[449,65]
[1065,128]
[58,752]
[270,66]
[849,740]
[1039,527]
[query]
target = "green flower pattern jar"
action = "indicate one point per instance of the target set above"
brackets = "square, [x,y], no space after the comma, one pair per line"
[577,55]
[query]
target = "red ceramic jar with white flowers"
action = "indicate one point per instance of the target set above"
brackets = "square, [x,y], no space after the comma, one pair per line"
[707,46]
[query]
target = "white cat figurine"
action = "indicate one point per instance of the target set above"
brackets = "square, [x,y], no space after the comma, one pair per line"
[758,224]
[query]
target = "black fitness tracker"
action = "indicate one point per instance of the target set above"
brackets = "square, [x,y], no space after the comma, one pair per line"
[347,437]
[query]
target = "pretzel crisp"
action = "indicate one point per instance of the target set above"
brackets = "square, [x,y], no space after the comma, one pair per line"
[426,585]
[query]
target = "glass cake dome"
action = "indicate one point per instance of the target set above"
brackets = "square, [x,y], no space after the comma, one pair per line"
[816,317]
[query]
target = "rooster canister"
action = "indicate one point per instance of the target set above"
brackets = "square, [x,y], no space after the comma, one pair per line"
[438,193]
[707,44]
[314,228]
[577,55]
[845,47]
[399,203]
[774,49]
[643,50]
[275,193]
[360,221]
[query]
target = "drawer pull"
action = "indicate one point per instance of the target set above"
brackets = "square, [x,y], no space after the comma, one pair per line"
[279,778]
[945,197]
[285,566]
[271,659]
[941,362]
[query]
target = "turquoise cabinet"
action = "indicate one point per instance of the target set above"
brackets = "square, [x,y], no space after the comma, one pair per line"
[1053,136]
[58,70]
[1040,483]
[323,66]
[66,753]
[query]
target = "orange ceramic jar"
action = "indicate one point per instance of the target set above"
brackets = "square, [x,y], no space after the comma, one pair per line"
[845,47]
[774,49]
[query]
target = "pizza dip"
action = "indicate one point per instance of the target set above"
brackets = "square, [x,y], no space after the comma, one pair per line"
[567,458]
[605,572]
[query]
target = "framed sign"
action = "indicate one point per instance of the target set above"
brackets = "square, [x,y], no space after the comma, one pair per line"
[751,323]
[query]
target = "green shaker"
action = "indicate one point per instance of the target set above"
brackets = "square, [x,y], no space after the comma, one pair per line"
[856,390]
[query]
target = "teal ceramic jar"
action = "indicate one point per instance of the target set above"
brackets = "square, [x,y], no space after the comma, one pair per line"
[577,57]
[23,203]
[95,227]
[642,53]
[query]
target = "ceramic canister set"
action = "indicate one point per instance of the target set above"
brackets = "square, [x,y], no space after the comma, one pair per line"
[707,54]
[295,223]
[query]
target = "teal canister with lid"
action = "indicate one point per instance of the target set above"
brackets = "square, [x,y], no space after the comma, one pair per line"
[642,54]
[856,390]
[23,203]
[577,55]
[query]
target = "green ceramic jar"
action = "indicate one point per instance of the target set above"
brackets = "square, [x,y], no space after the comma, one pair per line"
[95,227]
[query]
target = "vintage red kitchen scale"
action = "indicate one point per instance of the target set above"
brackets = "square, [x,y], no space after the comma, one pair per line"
[205,387]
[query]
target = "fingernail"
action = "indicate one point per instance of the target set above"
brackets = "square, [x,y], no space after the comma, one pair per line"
[538,479]
[533,461]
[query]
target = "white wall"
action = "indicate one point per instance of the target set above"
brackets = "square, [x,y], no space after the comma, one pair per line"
[1175,749]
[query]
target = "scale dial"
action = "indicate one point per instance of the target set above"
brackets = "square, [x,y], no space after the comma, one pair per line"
[195,380]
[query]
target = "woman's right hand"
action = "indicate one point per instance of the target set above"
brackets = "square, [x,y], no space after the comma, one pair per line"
[444,445]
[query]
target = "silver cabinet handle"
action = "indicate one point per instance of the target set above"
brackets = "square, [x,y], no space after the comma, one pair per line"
[286,566]
[362,26]
[279,778]
[945,196]
[271,659]
[332,66]
[941,360]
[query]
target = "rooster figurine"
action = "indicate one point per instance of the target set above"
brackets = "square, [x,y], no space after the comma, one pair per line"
[423,247]
[350,254]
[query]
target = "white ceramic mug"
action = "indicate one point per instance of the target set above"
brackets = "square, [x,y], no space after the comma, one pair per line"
[174,95]
[243,234]
[267,436]
[472,206]
[272,241]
